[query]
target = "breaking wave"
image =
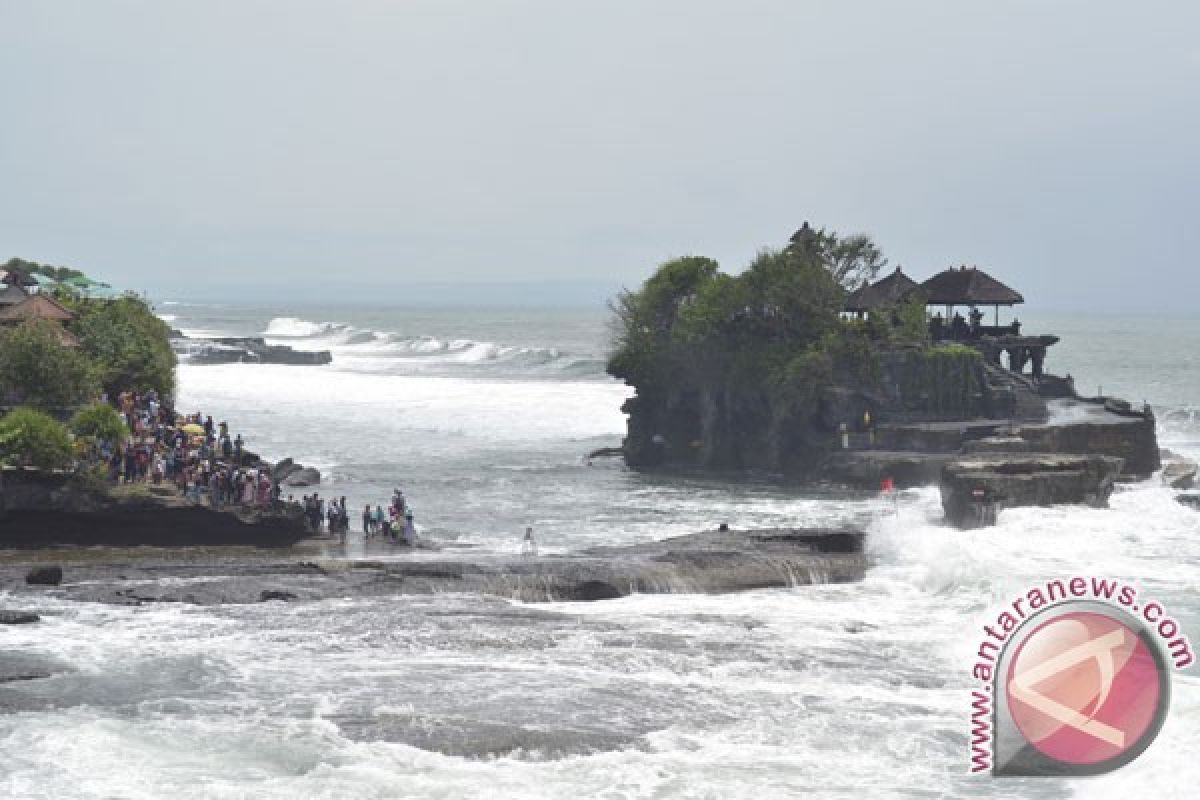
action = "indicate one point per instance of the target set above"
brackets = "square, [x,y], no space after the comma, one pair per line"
[384,350]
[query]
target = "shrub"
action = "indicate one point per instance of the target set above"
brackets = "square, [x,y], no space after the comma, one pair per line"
[29,437]
[100,422]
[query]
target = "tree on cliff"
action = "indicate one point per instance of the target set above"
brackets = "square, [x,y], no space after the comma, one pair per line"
[853,260]
[733,370]
[55,273]
[690,324]
[38,369]
[643,322]
[129,346]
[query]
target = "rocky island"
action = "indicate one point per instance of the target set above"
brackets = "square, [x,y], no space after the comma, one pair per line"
[802,366]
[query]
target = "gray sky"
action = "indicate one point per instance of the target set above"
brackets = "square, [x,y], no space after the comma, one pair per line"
[231,146]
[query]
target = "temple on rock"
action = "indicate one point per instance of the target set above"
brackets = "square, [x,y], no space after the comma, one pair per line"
[969,289]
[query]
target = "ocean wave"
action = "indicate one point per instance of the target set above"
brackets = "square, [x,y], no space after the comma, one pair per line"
[293,327]
[382,349]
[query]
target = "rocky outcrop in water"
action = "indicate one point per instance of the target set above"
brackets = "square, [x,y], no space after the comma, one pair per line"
[1106,426]
[289,473]
[244,350]
[44,576]
[914,453]
[975,488]
[1178,472]
[713,562]
[1189,500]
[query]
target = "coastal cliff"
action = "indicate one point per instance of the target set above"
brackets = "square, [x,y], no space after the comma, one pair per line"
[41,508]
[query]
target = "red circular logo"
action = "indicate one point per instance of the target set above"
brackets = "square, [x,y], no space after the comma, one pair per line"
[1084,688]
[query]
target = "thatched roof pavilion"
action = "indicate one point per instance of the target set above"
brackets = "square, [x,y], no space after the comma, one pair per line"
[39,306]
[36,306]
[968,286]
[887,291]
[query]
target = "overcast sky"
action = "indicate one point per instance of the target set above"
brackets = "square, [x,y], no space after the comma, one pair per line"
[367,146]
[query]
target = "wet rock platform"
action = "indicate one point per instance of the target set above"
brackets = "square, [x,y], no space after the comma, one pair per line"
[711,562]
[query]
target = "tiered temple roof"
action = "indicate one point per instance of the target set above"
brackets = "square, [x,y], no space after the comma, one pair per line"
[884,292]
[968,286]
[961,286]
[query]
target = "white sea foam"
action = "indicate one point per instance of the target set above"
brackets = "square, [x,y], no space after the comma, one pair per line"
[383,351]
[847,690]
[393,409]
[820,691]
[293,327]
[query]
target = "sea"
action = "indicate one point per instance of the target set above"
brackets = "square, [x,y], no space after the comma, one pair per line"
[485,418]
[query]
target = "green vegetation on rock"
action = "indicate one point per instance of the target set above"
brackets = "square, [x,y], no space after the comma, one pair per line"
[38,369]
[128,345]
[99,422]
[941,381]
[776,326]
[32,438]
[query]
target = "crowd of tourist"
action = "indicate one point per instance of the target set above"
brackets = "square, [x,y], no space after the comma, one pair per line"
[199,457]
[396,523]
[207,465]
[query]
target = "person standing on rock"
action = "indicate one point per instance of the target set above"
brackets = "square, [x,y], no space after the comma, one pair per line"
[410,529]
[528,545]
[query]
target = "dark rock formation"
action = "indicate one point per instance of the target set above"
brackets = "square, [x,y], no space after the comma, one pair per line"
[284,468]
[244,350]
[44,509]
[996,444]
[17,617]
[1178,472]
[45,576]
[1189,500]
[304,476]
[151,525]
[713,562]
[27,667]
[1110,429]
[974,488]
[869,468]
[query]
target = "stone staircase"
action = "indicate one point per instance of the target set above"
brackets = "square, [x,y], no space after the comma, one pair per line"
[1014,396]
